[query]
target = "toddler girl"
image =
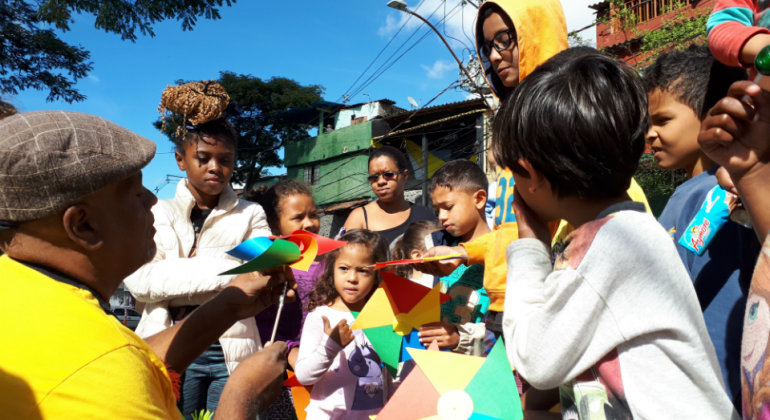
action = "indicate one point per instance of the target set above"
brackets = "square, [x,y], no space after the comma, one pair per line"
[341,364]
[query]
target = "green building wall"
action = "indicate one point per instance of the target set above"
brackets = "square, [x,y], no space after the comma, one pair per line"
[333,151]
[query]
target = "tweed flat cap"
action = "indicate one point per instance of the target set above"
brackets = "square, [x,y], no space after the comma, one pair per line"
[51,159]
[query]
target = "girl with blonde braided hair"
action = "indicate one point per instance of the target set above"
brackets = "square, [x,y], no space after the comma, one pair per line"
[194,230]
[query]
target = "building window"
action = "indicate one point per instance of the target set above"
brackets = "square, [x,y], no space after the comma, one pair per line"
[312,174]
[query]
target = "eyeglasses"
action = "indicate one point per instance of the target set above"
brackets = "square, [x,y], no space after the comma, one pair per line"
[501,42]
[388,176]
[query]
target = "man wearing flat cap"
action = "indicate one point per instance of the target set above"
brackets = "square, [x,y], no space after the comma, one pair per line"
[75,220]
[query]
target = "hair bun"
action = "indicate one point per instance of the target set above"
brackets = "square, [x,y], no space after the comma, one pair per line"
[197,102]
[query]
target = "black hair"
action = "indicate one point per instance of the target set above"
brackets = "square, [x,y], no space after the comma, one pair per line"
[693,76]
[271,199]
[413,238]
[396,155]
[219,127]
[580,122]
[324,292]
[460,174]
[489,9]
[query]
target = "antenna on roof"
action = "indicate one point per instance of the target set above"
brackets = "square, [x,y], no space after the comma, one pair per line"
[414,103]
[345,98]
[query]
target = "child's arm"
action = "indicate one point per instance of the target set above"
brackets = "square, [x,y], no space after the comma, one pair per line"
[319,346]
[732,35]
[735,136]
[552,323]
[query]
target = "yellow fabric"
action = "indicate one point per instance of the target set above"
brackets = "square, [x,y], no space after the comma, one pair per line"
[63,357]
[490,248]
[541,31]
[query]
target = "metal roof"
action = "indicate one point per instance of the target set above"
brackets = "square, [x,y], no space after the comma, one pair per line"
[599,6]
[309,115]
[345,205]
[471,103]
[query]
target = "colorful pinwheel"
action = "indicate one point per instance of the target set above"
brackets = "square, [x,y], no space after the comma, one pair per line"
[298,250]
[392,317]
[451,386]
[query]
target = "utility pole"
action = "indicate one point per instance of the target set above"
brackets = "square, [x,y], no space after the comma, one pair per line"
[425,170]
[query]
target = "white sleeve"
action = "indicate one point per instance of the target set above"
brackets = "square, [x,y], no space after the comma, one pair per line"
[555,324]
[259,226]
[164,279]
[316,351]
[471,338]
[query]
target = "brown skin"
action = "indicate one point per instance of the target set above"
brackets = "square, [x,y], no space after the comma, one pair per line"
[390,209]
[99,241]
[505,63]
[735,136]
[298,212]
[209,165]
[461,212]
[673,135]
[108,235]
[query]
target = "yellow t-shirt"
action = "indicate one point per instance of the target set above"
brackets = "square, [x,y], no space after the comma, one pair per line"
[62,356]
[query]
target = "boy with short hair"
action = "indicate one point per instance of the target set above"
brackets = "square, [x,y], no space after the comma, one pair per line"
[682,86]
[459,193]
[615,323]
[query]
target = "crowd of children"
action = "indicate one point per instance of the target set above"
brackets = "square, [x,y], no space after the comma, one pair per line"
[603,309]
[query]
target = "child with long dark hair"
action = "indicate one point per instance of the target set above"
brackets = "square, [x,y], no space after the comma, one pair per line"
[342,366]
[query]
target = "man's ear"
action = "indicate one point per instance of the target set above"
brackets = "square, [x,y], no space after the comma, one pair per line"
[480,199]
[536,177]
[81,227]
[179,160]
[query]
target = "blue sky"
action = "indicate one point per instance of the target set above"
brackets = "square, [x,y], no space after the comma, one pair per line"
[314,42]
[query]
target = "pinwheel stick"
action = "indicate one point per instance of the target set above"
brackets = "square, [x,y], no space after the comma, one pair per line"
[280,309]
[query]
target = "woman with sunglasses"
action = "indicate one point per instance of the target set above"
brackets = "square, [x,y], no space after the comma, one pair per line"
[390,214]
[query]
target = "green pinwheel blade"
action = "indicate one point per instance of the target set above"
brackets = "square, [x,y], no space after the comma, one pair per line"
[387,344]
[281,252]
[493,388]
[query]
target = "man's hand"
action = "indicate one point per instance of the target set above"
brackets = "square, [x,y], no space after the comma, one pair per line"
[735,135]
[340,333]
[441,268]
[250,293]
[530,226]
[254,385]
[445,333]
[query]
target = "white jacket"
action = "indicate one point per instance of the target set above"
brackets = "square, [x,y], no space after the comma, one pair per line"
[171,279]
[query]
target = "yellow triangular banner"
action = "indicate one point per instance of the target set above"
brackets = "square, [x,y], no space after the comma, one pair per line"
[376,313]
[447,371]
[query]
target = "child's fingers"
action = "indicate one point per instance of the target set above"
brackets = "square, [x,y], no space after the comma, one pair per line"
[343,326]
[327,327]
[431,325]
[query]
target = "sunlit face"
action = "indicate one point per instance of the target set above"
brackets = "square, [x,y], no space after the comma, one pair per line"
[458,210]
[298,212]
[505,63]
[352,279]
[387,189]
[756,325]
[209,164]
[673,134]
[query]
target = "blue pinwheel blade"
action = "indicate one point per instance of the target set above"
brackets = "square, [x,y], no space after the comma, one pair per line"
[250,249]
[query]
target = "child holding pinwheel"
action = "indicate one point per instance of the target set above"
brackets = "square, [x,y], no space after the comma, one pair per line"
[289,207]
[341,364]
[194,229]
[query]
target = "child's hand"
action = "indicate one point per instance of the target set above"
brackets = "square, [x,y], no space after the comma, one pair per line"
[530,226]
[724,180]
[735,135]
[444,332]
[340,333]
[441,268]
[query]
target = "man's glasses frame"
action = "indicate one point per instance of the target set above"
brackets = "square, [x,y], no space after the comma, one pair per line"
[387,175]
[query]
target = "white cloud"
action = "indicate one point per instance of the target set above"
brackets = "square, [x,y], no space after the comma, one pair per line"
[463,17]
[439,68]
[93,78]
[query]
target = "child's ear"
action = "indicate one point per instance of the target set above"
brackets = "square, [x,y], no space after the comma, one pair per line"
[536,177]
[180,160]
[415,254]
[480,199]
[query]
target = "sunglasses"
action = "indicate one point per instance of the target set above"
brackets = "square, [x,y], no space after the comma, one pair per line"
[388,176]
[501,42]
